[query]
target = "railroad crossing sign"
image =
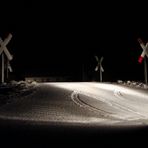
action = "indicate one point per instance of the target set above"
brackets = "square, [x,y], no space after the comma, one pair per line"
[5,52]
[99,66]
[145,50]
[143,55]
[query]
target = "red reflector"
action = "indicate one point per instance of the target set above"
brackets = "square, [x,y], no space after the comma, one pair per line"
[140,59]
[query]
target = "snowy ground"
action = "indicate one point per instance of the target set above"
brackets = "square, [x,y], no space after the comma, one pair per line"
[14,90]
[134,84]
[106,112]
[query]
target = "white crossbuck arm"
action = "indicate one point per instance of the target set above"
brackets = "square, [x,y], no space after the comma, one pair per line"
[4,48]
[145,50]
[99,65]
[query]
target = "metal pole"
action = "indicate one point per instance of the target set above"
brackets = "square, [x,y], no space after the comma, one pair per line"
[145,70]
[2,67]
[83,73]
[7,68]
[100,74]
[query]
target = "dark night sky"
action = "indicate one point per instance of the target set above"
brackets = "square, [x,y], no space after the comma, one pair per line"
[57,39]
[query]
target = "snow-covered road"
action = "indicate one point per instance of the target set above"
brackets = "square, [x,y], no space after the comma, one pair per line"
[114,101]
[81,103]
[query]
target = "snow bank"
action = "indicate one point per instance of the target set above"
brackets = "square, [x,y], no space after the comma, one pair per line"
[133,84]
[14,90]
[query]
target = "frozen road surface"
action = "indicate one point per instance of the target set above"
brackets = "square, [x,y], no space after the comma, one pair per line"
[81,103]
[84,106]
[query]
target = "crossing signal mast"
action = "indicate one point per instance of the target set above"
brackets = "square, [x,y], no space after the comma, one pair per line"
[4,52]
[143,56]
[99,66]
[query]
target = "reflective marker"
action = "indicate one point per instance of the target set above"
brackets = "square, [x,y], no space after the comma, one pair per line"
[140,59]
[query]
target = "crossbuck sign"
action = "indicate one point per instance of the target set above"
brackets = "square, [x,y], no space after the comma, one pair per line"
[145,50]
[4,50]
[143,55]
[99,66]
